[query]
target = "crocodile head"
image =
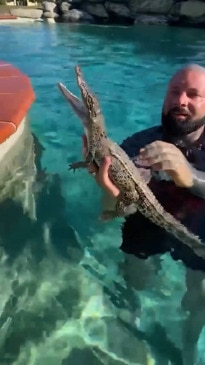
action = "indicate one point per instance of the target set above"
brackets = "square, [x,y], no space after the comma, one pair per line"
[76,104]
[88,110]
[89,99]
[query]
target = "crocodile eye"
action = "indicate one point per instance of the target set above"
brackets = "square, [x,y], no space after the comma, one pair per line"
[89,100]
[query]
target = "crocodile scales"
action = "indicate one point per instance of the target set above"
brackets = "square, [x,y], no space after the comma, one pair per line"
[135,194]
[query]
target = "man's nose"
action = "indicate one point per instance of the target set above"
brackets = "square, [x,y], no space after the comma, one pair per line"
[181,99]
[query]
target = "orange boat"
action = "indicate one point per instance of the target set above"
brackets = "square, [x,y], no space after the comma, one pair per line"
[17,159]
[16,97]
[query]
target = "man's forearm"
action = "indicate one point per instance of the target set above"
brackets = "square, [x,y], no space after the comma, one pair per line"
[198,187]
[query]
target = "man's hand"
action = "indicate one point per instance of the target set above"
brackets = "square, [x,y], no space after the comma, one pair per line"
[101,174]
[167,157]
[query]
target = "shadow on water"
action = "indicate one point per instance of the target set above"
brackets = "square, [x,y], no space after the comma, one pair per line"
[17,229]
[26,245]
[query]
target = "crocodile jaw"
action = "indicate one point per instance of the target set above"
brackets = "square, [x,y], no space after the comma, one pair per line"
[76,104]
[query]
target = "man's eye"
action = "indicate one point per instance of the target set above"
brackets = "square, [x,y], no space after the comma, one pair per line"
[192,95]
[175,92]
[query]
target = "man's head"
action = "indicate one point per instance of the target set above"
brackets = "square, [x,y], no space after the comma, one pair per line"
[184,105]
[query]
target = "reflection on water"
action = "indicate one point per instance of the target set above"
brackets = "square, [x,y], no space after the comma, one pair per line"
[68,294]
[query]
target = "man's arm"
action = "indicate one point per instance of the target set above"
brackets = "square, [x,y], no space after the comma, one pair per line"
[198,187]
[133,144]
[163,156]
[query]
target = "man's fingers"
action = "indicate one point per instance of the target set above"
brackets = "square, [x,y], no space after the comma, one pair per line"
[168,163]
[165,165]
[158,148]
[161,158]
[92,169]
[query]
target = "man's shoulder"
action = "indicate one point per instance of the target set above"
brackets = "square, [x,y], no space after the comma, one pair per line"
[139,139]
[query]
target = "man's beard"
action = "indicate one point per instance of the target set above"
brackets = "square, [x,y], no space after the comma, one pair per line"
[175,127]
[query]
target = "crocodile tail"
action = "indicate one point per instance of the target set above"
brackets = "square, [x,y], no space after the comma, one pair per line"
[183,234]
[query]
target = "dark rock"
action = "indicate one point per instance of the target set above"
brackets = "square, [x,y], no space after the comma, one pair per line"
[65,6]
[150,19]
[97,10]
[74,16]
[120,10]
[150,6]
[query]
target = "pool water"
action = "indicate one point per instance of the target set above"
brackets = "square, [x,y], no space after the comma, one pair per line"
[64,299]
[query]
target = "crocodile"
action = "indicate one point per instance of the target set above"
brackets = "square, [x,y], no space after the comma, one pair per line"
[135,193]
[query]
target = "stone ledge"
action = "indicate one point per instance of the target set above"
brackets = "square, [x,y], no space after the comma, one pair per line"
[27,13]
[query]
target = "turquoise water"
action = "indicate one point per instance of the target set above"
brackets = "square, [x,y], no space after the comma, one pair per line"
[64,290]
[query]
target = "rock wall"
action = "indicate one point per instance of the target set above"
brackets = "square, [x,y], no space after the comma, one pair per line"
[132,12]
[127,11]
[106,11]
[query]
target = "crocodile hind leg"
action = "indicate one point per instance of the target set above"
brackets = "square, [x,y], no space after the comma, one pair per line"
[126,204]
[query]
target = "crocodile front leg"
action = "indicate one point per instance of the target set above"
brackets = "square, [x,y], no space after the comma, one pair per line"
[77,165]
[126,204]
[84,164]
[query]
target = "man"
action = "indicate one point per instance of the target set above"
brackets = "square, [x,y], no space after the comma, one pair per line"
[175,155]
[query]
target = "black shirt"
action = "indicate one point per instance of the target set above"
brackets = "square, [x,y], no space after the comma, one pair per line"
[143,238]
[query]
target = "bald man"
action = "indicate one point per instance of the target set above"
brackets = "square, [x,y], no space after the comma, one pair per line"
[173,154]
